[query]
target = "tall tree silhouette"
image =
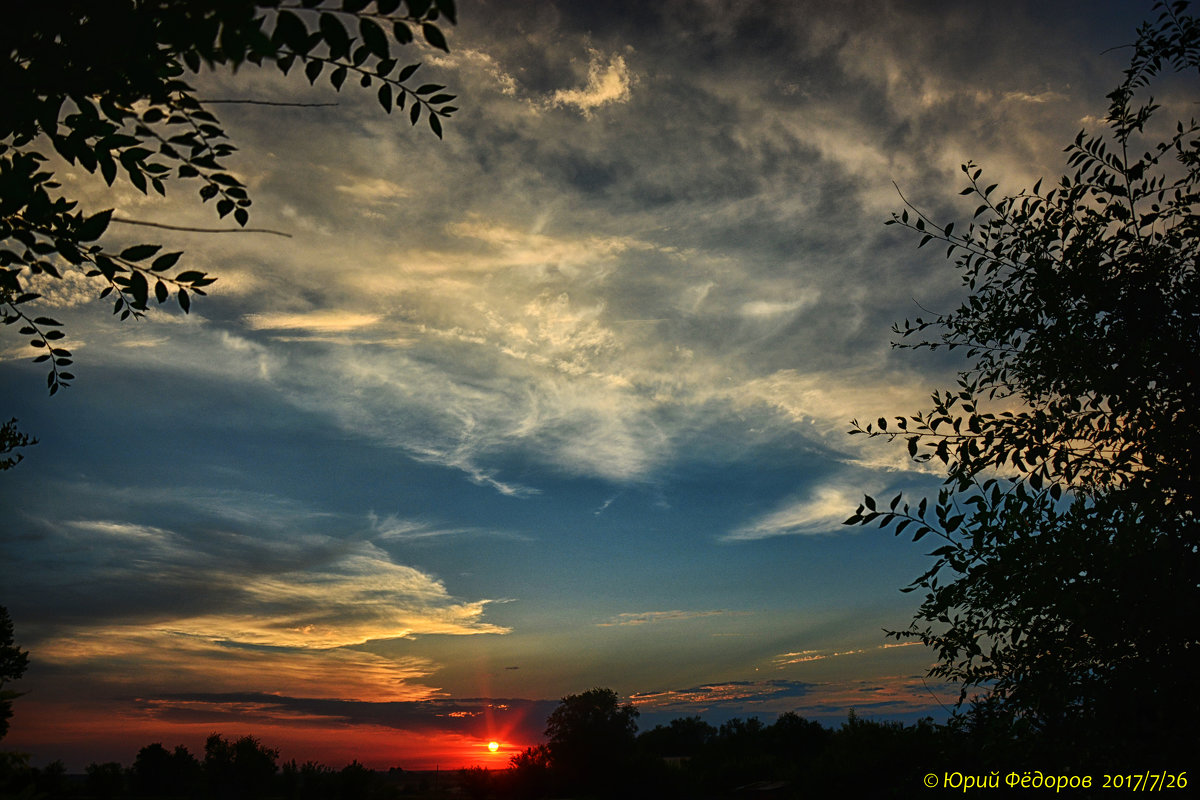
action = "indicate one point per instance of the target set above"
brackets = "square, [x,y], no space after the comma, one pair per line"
[592,739]
[13,662]
[1063,591]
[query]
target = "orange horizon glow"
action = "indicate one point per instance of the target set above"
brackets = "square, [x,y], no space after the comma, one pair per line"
[49,732]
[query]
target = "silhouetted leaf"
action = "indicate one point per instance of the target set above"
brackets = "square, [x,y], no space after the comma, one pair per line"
[374,37]
[312,70]
[401,33]
[140,252]
[94,227]
[165,261]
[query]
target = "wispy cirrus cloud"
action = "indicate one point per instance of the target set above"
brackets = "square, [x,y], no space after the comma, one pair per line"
[807,656]
[149,658]
[821,511]
[391,528]
[212,608]
[888,697]
[357,598]
[653,617]
[732,694]
[323,595]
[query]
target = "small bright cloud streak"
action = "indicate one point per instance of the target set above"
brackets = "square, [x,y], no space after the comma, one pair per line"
[318,321]
[653,617]
[607,83]
[821,511]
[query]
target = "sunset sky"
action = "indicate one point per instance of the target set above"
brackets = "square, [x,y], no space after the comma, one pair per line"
[559,402]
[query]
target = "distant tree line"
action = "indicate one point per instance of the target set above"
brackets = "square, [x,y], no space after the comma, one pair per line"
[241,769]
[592,750]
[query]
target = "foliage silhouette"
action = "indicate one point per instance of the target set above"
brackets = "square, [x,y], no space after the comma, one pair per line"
[476,782]
[793,757]
[687,758]
[13,663]
[1062,595]
[682,737]
[158,772]
[12,440]
[591,737]
[106,780]
[529,773]
[243,768]
[106,92]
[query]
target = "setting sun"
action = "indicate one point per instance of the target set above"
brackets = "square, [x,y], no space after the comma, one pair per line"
[493,746]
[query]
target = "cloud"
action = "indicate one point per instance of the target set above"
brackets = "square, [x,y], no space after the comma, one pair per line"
[517,718]
[145,659]
[374,190]
[807,656]
[822,510]
[211,607]
[776,308]
[606,83]
[732,694]
[651,617]
[886,696]
[583,301]
[393,528]
[487,65]
[72,289]
[326,321]
[324,595]
[355,599]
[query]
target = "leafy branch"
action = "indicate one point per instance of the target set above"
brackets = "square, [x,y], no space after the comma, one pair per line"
[106,92]
[11,440]
[1067,527]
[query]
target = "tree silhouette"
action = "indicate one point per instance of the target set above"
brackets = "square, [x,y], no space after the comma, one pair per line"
[685,736]
[13,662]
[11,440]
[242,768]
[529,773]
[104,88]
[105,780]
[591,739]
[158,772]
[1062,596]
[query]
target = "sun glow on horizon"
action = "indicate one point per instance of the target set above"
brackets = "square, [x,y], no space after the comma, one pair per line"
[493,746]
